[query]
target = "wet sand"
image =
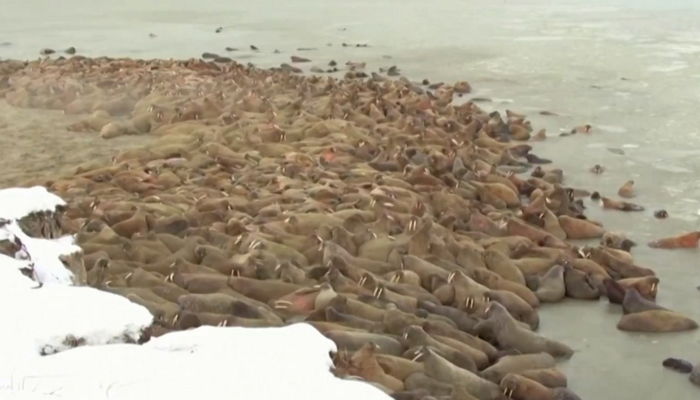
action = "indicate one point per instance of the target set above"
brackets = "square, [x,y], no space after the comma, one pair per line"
[577,62]
[40,148]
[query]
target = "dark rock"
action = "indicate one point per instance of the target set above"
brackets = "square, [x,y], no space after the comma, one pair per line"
[206,55]
[70,50]
[46,52]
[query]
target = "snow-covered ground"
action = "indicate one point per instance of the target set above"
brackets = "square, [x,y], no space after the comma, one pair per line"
[48,315]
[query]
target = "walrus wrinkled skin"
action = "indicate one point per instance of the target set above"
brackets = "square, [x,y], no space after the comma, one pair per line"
[633,302]
[552,288]
[517,387]
[517,363]
[656,321]
[511,336]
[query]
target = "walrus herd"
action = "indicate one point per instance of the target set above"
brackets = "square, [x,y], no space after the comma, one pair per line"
[407,228]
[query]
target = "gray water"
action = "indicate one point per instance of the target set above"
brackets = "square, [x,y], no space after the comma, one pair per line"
[629,68]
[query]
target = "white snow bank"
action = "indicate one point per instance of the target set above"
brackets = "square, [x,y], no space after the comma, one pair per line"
[54,318]
[291,362]
[20,202]
[44,254]
[47,315]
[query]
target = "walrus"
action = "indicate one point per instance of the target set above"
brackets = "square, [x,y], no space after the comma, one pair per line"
[439,368]
[264,291]
[646,286]
[414,337]
[309,299]
[580,285]
[503,266]
[677,364]
[683,241]
[617,241]
[517,387]
[627,190]
[656,321]
[333,315]
[441,332]
[552,288]
[695,375]
[364,363]
[509,335]
[354,340]
[516,306]
[550,377]
[419,380]
[534,265]
[357,308]
[463,320]
[398,367]
[517,363]
[619,205]
[616,267]
[576,228]
[634,302]
[495,282]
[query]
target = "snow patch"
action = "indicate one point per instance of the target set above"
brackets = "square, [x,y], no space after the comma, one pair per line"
[20,202]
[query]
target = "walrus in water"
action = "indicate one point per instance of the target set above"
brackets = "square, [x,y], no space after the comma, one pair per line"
[678,364]
[695,375]
[656,321]
[617,241]
[627,190]
[511,336]
[518,387]
[684,241]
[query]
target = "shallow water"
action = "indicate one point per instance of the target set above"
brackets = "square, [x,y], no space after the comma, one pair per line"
[630,68]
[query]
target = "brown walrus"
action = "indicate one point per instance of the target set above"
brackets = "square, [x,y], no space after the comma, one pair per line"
[511,336]
[517,363]
[684,241]
[656,321]
[627,190]
[439,368]
[517,387]
[634,302]
[552,288]
[576,228]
